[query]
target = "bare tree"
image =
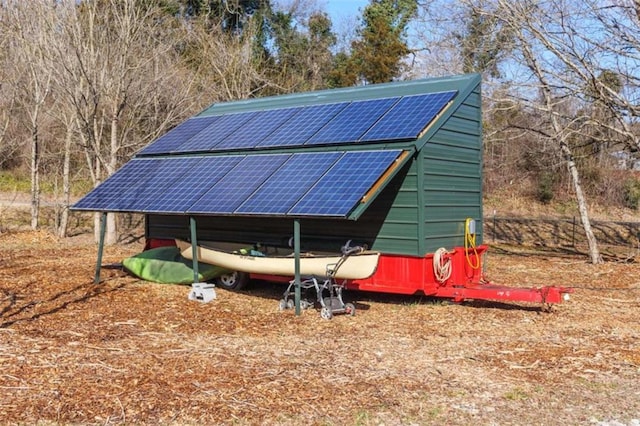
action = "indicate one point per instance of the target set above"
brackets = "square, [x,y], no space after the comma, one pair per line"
[530,26]
[33,69]
[612,69]
[225,64]
[115,76]
[7,97]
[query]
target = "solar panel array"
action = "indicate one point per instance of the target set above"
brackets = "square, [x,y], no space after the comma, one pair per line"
[279,185]
[307,123]
[320,183]
[263,123]
[300,184]
[190,186]
[116,193]
[384,119]
[230,191]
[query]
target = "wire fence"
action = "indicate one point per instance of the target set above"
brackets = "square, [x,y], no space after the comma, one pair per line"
[564,232]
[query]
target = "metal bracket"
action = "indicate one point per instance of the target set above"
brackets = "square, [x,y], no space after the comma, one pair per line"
[202,292]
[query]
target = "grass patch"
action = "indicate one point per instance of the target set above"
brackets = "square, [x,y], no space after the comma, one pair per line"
[516,394]
[16,181]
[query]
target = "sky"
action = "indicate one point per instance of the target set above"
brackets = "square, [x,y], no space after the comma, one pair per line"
[338,9]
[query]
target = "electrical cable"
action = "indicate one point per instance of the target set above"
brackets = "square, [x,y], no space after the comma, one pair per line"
[470,243]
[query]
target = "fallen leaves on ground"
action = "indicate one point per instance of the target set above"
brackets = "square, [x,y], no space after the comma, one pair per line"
[129,351]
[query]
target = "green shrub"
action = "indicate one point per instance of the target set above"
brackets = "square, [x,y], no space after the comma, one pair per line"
[631,193]
[546,182]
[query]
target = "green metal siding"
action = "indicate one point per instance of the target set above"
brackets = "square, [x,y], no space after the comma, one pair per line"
[452,179]
[399,233]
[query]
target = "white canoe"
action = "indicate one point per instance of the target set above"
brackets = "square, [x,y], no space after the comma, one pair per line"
[355,266]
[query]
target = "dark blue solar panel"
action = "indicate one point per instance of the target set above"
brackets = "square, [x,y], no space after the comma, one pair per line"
[353,121]
[117,193]
[290,182]
[409,117]
[178,135]
[338,191]
[220,129]
[303,125]
[189,187]
[257,129]
[163,179]
[226,195]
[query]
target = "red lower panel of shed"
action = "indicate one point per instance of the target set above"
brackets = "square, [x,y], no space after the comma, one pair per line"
[460,278]
[408,275]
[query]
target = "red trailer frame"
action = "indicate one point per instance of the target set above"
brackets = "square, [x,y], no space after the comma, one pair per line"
[416,275]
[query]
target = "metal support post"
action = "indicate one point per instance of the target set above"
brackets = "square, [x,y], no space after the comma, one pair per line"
[194,248]
[201,292]
[103,227]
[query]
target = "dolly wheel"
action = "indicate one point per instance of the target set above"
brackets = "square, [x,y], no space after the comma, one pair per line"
[291,304]
[326,313]
[350,309]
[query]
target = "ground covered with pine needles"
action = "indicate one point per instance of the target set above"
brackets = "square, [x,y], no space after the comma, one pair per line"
[128,351]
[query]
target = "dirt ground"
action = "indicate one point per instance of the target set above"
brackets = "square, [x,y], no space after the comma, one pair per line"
[128,351]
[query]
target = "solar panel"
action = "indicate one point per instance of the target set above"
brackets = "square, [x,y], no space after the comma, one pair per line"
[353,121]
[340,189]
[117,193]
[258,128]
[303,125]
[163,179]
[409,117]
[230,191]
[189,187]
[177,136]
[220,129]
[278,193]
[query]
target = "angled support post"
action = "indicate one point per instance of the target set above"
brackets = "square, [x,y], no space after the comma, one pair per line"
[103,227]
[296,263]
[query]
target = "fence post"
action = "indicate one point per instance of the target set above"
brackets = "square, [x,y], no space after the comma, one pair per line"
[573,242]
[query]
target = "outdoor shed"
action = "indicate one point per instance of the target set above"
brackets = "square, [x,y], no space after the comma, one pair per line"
[396,167]
[419,205]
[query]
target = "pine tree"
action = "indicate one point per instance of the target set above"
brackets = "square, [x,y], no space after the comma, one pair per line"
[378,52]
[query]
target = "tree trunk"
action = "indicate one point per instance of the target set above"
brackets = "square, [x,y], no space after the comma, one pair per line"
[111,236]
[35,179]
[66,185]
[594,251]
